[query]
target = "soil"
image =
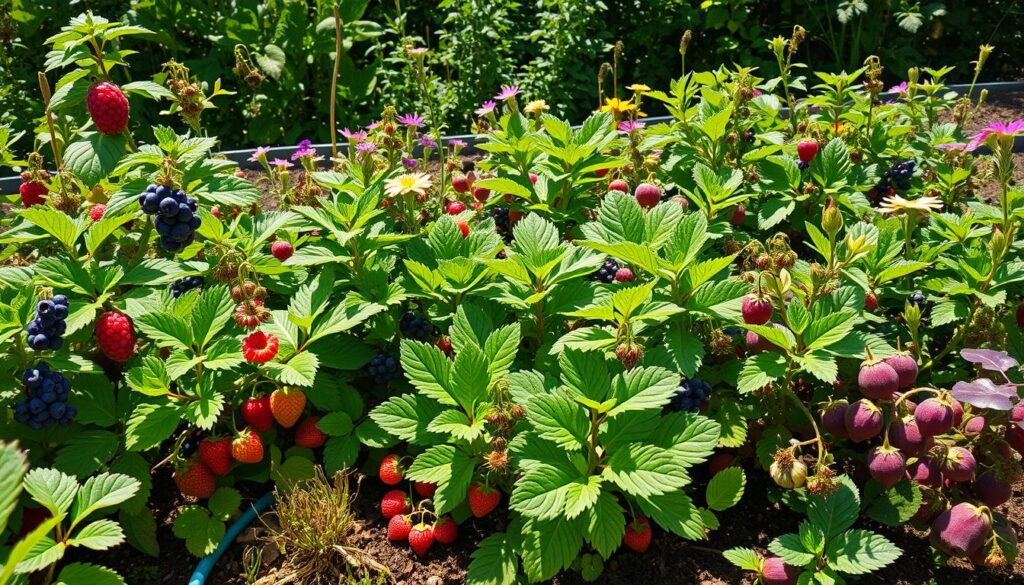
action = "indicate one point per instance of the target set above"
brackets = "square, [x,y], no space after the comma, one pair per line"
[754,522]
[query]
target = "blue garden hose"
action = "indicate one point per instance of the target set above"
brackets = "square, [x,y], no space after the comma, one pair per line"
[206,565]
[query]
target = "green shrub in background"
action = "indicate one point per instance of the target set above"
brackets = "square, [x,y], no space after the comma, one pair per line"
[278,54]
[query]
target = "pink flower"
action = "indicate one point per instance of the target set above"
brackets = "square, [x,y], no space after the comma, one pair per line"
[281,163]
[507,92]
[457,144]
[304,148]
[414,120]
[354,136]
[260,154]
[485,108]
[630,125]
[427,142]
[756,92]
[373,126]
[902,87]
[997,129]
[366,147]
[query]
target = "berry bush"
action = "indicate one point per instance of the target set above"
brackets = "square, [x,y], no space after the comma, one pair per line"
[587,343]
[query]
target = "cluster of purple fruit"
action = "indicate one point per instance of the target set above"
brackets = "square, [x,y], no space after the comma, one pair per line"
[692,395]
[911,451]
[46,330]
[415,326]
[176,219]
[383,368]
[47,403]
[898,176]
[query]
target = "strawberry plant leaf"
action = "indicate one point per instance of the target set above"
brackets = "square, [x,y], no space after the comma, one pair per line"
[87,574]
[645,470]
[790,548]
[744,558]
[725,488]
[642,388]
[150,424]
[550,546]
[606,523]
[674,511]
[495,561]
[56,491]
[86,452]
[760,370]
[103,491]
[894,506]
[98,535]
[342,452]
[408,417]
[837,513]
[557,418]
[860,551]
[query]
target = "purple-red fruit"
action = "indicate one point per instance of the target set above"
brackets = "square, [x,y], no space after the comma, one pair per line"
[992,490]
[776,572]
[959,464]
[758,344]
[905,366]
[961,530]
[925,472]
[886,465]
[878,380]
[834,420]
[647,195]
[757,310]
[958,412]
[905,436]
[863,421]
[934,417]
[975,425]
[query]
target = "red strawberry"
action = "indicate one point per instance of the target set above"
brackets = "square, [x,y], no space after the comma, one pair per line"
[256,412]
[216,455]
[399,527]
[286,404]
[618,185]
[116,335]
[481,194]
[308,435]
[33,193]
[446,530]
[195,480]
[638,535]
[424,489]
[870,301]
[460,183]
[391,471]
[464,228]
[394,502]
[247,447]
[108,107]
[96,211]
[444,343]
[455,207]
[282,250]
[738,215]
[421,537]
[807,150]
[756,310]
[483,499]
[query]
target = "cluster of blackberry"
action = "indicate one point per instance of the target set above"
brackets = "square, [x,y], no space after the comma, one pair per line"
[383,368]
[415,327]
[898,176]
[692,395]
[606,273]
[176,219]
[47,402]
[46,331]
[183,285]
[502,222]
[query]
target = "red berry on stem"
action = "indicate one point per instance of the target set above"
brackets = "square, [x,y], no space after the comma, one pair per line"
[308,435]
[96,211]
[257,414]
[637,536]
[394,502]
[483,499]
[216,455]
[738,215]
[424,489]
[247,447]
[460,183]
[421,538]
[464,228]
[195,480]
[807,150]
[446,530]
[115,335]
[33,193]
[756,310]
[455,207]
[391,470]
[624,275]
[618,185]
[108,107]
[647,195]
[399,527]
[282,250]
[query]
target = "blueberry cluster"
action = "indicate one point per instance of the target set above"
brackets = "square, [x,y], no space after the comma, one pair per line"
[606,273]
[46,331]
[383,368]
[415,327]
[692,395]
[502,223]
[47,402]
[918,299]
[183,285]
[176,221]
[898,176]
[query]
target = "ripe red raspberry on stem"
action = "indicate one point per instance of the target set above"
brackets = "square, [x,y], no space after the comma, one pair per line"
[282,250]
[116,335]
[32,192]
[259,347]
[96,211]
[108,107]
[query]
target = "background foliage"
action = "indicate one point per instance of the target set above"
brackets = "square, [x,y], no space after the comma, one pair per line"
[551,48]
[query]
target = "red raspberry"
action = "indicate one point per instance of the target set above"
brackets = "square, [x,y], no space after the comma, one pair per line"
[464,228]
[108,108]
[96,211]
[870,301]
[308,436]
[216,455]
[259,347]
[460,183]
[446,530]
[281,250]
[116,335]
[455,208]
[215,212]
[394,502]
[399,527]
[33,193]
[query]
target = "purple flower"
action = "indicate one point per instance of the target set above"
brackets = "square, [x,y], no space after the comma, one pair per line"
[630,125]
[414,120]
[409,163]
[304,148]
[457,144]
[366,146]
[756,92]
[507,92]
[373,126]
[902,87]
[485,108]
[426,142]
[260,154]
[354,136]
[997,129]
[281,163]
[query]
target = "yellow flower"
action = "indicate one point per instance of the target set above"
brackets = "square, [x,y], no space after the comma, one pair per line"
[896,204]
[617,106]
[535,107]
[639,88]
[417,183]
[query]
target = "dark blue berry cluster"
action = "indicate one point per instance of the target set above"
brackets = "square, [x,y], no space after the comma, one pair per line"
[176,219]
[918,299]
[502,223]
[46,331]
[606,273]
[692,395]
[898,176]
[383,368]
[415,327]
[47,402]
[183,285]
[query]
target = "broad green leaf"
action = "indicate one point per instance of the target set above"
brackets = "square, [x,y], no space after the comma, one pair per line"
[51,488]
[98,535]
[726,488]
[859,552]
